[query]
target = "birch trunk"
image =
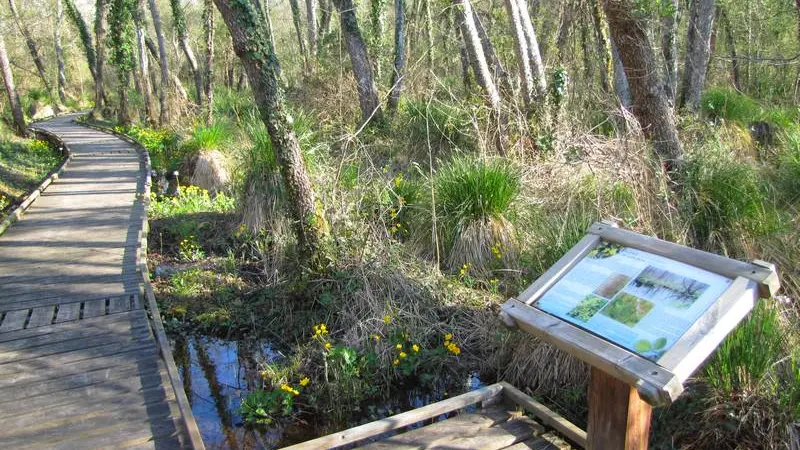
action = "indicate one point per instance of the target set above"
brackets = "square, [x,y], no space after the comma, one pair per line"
[144,62]
[399,54]
[621,86]
[474,49]
[495,65]
[248,33]
[31,44]
[698,51]
[62,76]
[650,106]
[669,50]
[101,9]
[297,29]
[208,29]
[13,98]
[362,68]
[603,46]
[325,18]
[163,117]
[311,16]
[521,50]
[534,54]
[183,39]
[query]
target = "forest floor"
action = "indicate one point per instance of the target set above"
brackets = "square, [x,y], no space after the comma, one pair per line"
[24,163]
[275,352]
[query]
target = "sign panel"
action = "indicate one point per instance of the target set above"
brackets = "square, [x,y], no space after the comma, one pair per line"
[635,299]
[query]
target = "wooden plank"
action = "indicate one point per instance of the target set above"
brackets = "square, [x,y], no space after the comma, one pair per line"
[618,418]
[494,438]
[67,312]
[94,308]
[81,333]
[654,382]
[73,345]
[544,414]
[705,335]
[559,269]
[398,421]
[464,424]
[727,267]
[137,301]
[119,304]
[14,320]
[41,316]
[135,317]
[534,444]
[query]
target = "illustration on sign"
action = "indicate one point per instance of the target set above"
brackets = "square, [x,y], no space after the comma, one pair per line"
[635,299]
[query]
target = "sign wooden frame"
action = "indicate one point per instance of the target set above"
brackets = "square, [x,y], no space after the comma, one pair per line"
[658,382]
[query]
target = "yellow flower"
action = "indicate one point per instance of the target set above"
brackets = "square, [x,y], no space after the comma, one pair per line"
[396,362]
[403,355]
[264,374]
[304,382]
[328,346]
[289,389]
[387,319]
[415,347]
[399,346]
[448,337]
[376,338]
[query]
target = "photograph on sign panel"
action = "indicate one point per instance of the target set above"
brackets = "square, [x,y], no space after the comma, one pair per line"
[667,288]
[612,285]
[628,309]
[587,308]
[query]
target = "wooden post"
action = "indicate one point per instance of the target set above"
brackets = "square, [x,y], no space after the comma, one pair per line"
[618,418]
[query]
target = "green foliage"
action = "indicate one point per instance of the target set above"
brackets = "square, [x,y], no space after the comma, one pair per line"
[191,200]
[749,353]
[23,164]
[264,407]
[787,172]
[83,31]
[469,190]
[719,103]
[162,145]
[399,200]
[724,197]
[447,125]
[178,18]
[190,250]
[203,138]
[121,37]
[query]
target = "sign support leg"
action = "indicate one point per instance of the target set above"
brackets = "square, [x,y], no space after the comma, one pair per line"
[618,418]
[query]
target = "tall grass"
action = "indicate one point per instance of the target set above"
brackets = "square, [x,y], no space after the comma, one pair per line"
[472,198]
[445,125]
[787,172]
[718,103]
[725,197]
[262,190]
[205,138]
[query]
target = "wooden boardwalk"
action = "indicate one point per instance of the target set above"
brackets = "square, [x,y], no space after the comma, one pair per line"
[80,366]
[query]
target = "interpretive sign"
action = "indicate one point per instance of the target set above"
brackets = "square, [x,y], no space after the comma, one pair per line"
[644,314]
[635,299]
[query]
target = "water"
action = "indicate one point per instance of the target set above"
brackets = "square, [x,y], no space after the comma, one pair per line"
[217,374]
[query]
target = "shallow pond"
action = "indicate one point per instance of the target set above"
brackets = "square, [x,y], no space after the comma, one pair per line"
[217,374]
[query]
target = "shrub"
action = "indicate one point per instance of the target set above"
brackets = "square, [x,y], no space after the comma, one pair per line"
[262,189]
[730,105]
[725,197]
[472,197]
[191,200]
[162,145]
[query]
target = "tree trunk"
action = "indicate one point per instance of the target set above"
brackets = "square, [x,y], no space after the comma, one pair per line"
[325,18]
[534,54]
[603,46]
[62,76]
[698,46]
[101,9]
[362,69]
[621,86]
[495,65]
[429,55]
[477,58]
[163,117]
[83,32]
[311,15]
[208,28]
[250,43]
[669,50]
[183,38]
[13,99]
[650,106]
[521,50]
[399,54]
[377,21]
[144,62]
[297,29]
[31,44]
[731,42]
[564,30]
[463,56]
